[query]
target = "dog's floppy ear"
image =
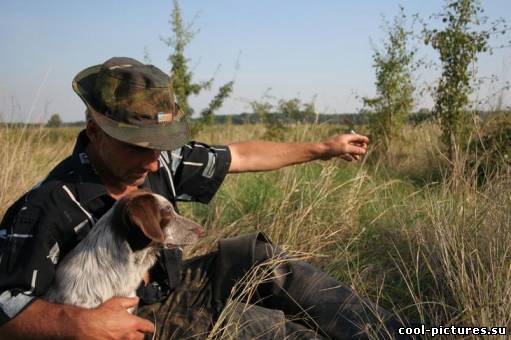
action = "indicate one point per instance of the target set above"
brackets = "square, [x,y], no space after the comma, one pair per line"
[139,217]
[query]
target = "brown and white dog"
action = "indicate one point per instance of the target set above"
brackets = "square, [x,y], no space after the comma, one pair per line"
[113,258]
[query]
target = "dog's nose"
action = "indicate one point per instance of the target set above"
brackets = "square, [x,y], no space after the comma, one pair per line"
[199,231]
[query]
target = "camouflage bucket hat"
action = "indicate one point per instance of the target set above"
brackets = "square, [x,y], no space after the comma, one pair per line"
[134,103]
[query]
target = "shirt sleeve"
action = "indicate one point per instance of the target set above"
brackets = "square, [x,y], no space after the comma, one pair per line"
[198,170]
[32,237]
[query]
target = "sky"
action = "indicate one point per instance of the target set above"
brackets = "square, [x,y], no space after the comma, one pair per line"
[314,50]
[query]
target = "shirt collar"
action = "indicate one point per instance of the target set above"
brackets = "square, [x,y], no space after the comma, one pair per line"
[90,186]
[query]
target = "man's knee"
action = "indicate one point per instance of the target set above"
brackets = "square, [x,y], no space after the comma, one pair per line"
[238,255]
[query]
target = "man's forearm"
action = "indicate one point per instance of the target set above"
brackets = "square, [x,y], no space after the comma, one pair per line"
[110,320]
[264,155]
[43,320]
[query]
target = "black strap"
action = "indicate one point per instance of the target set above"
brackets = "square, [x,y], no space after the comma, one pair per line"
[172,260]
[167,277]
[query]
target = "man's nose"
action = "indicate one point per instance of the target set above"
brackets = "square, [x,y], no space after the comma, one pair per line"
[151,160]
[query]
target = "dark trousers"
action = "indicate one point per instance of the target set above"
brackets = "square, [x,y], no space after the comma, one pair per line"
[250,289]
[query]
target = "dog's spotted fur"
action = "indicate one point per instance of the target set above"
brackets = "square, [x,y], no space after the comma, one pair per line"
[112,259]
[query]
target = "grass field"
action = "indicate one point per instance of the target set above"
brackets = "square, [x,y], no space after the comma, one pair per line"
[410,230]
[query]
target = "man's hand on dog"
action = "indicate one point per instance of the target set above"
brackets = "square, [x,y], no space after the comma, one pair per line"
[111,320]
[349,147]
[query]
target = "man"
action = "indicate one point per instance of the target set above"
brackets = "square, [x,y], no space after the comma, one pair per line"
[132,125]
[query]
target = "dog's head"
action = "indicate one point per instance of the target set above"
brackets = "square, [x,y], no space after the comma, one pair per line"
[142,218]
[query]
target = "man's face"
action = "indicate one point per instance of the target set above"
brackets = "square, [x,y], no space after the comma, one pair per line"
[120,162]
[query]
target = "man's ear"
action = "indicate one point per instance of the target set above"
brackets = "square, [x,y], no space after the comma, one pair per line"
[140,220]
[92,130]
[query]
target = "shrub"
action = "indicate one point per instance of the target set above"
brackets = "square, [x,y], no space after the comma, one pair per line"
[491,151]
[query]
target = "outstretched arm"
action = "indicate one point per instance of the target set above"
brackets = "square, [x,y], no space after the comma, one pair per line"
[264,156]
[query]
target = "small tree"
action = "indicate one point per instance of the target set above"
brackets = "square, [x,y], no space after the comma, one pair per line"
[394,87]
[295,111]
[54,121]
[421,116]
[263,106]
[262,109]
[290,109]
[216,103]
[459,43]
[181,76]
[273,122]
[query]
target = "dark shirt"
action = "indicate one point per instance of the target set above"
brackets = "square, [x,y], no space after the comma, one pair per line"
[48,221]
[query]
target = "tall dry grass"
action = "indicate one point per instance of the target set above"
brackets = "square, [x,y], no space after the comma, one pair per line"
[27,154]
[419,235]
